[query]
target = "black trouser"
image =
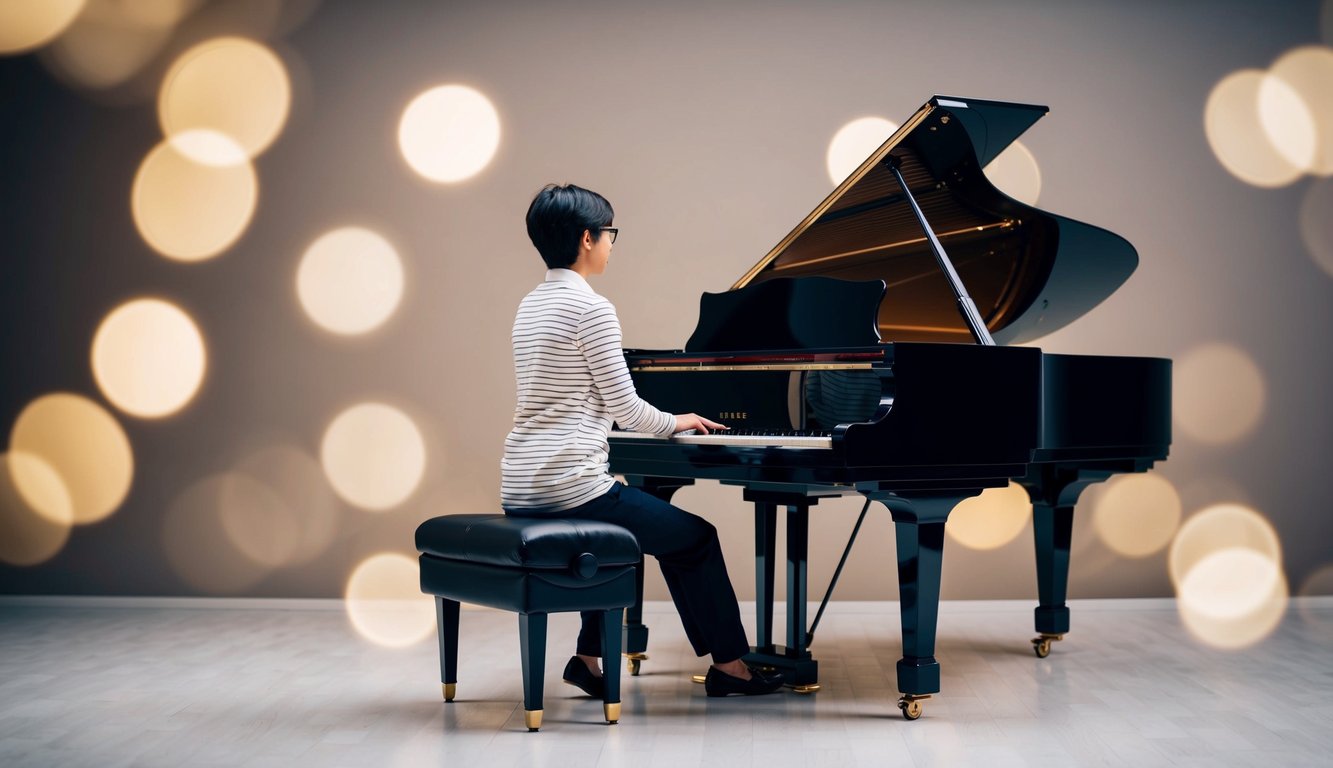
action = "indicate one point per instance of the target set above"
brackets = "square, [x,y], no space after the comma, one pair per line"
[687,549]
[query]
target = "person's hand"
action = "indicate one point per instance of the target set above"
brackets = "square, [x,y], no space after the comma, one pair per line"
[686,421]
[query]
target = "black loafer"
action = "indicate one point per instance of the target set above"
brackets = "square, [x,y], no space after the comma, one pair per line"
[721,684]
[578,675]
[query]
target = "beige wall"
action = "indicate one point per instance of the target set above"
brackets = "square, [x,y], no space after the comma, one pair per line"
[706,125]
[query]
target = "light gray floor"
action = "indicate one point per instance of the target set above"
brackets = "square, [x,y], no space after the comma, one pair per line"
[103,684]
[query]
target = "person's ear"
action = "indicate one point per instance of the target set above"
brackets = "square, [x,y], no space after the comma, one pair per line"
[587,239]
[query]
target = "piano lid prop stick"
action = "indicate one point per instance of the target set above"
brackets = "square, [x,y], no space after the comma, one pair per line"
[966,307]
[810,636]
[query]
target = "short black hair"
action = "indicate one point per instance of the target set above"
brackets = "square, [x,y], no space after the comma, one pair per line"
[558,217]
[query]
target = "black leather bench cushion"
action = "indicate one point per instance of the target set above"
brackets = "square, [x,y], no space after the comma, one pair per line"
[527,591]
[526,542]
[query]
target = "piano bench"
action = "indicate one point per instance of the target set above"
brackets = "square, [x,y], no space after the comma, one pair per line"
[533,566]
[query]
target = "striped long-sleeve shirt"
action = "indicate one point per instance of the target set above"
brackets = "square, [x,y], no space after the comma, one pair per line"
[572,384]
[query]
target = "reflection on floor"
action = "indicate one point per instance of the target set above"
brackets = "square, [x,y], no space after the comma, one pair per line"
[107,684]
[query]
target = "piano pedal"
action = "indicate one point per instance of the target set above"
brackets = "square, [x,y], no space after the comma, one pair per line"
[910,704]
[1042,645]
[806,689]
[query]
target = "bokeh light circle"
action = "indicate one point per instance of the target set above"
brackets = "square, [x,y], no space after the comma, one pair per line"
[113,42]
[449,133]
[1015,172]
[196,540]
[350,280]
[992,519]
[1226,565]
[1137,514]
[1308,72]
[188,210]
[28,24]
[1317,223]
[304,510]
[230,85]
[1242,109]
[1218,395]
[83,444]
[35,522]
[148,358]
[854,143]
[373,455]
[385,603]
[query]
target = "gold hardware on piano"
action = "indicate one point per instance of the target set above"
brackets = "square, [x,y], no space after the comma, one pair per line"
[737,415]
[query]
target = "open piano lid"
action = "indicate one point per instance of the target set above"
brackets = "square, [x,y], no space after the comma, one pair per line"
[1029,272]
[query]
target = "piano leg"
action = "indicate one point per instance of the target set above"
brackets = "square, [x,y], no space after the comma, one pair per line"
[765,549]
[918,520]
[1052,527]
[635,635]
[1054,490]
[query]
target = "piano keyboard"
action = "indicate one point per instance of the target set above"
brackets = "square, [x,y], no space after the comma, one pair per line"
[747,440]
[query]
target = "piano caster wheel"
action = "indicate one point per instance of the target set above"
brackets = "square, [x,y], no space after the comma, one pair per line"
[1042,645]
[632,662]
[911,706]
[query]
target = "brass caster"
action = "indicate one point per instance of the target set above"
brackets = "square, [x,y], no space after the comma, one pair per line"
[911,705]
[533,719]
[612,712]
[633,661]
[810,688]
[1042,645]
[449,690]
[700,679]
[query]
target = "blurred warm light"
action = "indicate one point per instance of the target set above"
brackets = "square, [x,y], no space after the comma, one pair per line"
[1317,224]
[1233,598]
[34,521]
[305,510]
[28,24]
[1218,396]
[449,133]
[373,455]
[854,143]
[1137,514]
[385,603]
[350,280]
[188,210]
[148,358]
[1226,565]
[208,147]
[83,444]
[114,40]
[1308,72]
[231,85]
[991,520]
[196,541]
[1015,173]
[1288,122]
[1247,112]
[259,523]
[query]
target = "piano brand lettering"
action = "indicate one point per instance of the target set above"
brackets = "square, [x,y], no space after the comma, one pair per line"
[733,415]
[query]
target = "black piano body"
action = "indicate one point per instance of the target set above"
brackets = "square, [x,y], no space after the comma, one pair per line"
[845,363]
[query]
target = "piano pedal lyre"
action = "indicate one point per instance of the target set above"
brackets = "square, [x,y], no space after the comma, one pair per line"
[1042,645]
[910,704]
[633,660]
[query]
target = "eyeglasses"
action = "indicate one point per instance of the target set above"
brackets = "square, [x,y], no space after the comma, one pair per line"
[613,230]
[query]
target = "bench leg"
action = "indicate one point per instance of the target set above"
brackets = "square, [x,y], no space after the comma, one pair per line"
[532,639]
[446,620]
[611,621]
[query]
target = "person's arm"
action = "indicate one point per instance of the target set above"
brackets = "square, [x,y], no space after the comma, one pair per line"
[600,338]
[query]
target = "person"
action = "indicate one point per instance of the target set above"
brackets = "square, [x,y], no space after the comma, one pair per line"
[573,383]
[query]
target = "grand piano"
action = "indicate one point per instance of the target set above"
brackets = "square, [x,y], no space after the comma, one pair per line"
[873,351]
